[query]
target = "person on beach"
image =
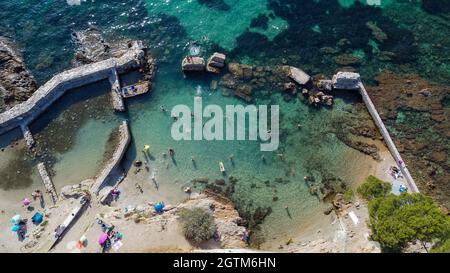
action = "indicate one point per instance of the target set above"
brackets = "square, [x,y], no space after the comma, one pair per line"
[115,193]
[36,194]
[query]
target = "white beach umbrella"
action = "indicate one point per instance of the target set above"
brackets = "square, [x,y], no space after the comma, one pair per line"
[16,218]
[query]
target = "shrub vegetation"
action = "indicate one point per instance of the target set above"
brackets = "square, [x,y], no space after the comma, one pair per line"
[198,225]
[373,187]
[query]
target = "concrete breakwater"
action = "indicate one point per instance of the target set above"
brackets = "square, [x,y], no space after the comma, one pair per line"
[25,112]
[112,173]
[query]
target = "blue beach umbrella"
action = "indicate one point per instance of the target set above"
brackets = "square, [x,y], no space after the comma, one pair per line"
[158,207]
[15,228]
[37,218]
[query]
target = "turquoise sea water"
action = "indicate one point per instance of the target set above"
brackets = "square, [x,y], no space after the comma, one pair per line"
[74,133]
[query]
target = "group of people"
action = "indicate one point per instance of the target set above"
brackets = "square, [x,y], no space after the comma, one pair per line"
[395,172]
[109,238]
[19,223]
[19,226]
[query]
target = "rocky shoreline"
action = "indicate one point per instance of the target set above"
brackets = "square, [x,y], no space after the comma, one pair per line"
[91,47]
[17,83]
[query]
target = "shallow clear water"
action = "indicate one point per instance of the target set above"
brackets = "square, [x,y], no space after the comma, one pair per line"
[255,32]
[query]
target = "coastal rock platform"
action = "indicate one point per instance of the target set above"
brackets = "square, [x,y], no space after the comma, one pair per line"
[17,84]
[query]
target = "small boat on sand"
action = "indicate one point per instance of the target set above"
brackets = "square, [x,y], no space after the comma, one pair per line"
[222,168]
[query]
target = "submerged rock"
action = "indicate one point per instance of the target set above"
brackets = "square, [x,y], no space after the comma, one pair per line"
[377,32]
[346,59]
[220,182]
[203,180]
[241,71]
[244,91]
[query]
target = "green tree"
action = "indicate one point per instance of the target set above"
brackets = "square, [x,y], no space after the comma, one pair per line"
[198,225]
[398,220]
[442,247]
[373,187]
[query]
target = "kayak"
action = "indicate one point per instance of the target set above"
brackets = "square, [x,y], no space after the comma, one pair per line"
[222,168]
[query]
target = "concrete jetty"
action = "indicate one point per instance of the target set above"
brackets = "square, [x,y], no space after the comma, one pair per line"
[116,97]
[112,173]
[352,81]
[25,112]
[387,139]
[47,182]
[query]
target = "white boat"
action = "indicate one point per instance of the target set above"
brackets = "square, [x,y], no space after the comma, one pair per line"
[61,229]
[222,168]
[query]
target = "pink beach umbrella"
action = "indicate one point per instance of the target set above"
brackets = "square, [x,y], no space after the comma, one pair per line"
[26,201]
[102,238]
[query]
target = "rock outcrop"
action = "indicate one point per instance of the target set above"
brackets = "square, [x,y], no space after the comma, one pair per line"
[16,82]
[226,218]
[346,80]
[190,64]
[216,62]
[91,47]
[298,75]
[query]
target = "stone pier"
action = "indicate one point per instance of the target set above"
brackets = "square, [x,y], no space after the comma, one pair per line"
[352,81]
[25,112]
[112,173]
[47,182]
[116,97]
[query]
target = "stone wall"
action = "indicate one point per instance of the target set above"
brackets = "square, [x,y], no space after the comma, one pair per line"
[46,95]
[110,170]
[50,188]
